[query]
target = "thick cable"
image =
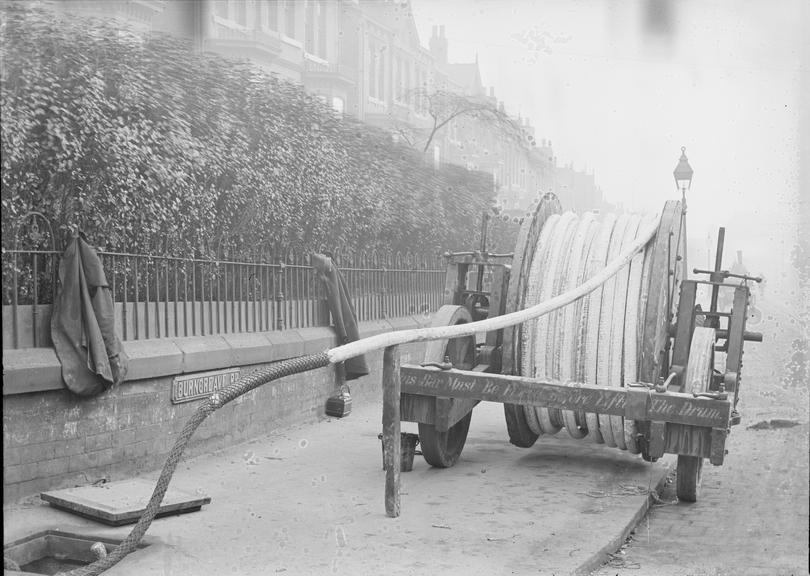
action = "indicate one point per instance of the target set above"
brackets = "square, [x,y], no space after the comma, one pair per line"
[606,328]
[570,369]
[205,409]
[558,242]
[597,259]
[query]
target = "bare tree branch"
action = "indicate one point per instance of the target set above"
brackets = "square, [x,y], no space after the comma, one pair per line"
[444,106]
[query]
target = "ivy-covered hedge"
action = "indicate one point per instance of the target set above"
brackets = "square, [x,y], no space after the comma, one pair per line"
[147,145]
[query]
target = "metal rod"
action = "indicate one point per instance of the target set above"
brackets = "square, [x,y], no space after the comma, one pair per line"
[146,301]
[718,264]
[125,303]
[193,298]
[157,298]
[185,298]
[176,298]
[34,304]
[210,277]
[136,300]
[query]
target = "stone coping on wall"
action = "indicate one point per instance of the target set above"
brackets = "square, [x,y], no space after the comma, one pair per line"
[29,370]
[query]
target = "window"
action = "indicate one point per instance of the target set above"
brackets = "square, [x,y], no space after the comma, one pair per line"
[289,18]
[403,78]
[315,25]
[239,12]
[310,24]
[338,104]
[376,69]
[372,70]
[322,30]
[271,14]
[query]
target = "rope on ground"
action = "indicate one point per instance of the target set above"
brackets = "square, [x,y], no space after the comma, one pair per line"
[208,407]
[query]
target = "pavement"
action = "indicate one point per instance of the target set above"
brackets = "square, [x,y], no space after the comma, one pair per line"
[310,500]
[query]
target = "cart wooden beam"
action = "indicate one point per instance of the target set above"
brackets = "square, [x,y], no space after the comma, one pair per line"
[636,403]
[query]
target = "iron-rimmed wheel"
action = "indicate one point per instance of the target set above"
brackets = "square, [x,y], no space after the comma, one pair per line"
[442,449]
[697,378]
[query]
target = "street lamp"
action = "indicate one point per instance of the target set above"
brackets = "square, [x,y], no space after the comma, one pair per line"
[683,180]
[683,175]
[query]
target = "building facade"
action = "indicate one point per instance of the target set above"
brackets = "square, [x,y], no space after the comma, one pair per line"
[364,58]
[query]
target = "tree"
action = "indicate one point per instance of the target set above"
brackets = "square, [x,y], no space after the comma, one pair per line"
[444,106]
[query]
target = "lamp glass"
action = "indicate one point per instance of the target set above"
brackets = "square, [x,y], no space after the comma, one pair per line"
[683,172]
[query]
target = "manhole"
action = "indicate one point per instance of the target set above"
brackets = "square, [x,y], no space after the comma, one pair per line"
[52,551]
[122,502]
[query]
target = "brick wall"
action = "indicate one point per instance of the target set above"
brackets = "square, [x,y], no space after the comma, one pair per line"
[54,439]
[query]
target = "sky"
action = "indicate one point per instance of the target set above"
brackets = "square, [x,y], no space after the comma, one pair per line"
[619,86]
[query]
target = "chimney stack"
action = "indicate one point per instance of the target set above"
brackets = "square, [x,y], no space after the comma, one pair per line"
[438,46]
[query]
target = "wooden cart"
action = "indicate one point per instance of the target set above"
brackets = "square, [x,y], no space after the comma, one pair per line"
[679,403]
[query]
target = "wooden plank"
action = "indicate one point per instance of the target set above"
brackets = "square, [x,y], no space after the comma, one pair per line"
[685,409]
[497,302]
[443,405]
[452,410]
[454,278]
[734,345]
[658,432]
[688,440]
[417,408]
[717,452]
[680,408]
[683,335]
[392,449]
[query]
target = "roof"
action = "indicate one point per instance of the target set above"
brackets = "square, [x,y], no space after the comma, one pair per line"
[466,75]
[396,15]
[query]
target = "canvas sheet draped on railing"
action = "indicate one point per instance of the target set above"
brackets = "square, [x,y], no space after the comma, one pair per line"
[159,296]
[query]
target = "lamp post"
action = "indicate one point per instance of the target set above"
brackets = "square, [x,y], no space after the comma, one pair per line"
[683,176]
[683,180]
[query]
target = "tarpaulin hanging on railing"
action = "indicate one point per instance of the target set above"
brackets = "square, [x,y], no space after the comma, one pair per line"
[83,324]
[342,311]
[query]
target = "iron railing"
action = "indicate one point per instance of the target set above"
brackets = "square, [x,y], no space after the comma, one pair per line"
[160,296]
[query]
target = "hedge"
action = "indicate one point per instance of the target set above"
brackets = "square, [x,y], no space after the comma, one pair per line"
[148,145]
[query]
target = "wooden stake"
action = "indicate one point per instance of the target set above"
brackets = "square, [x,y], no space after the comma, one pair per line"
[391,429]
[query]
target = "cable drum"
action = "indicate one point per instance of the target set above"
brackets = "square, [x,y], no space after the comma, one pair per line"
[597,339]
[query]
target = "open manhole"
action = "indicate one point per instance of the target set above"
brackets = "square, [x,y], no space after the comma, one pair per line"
[52,551]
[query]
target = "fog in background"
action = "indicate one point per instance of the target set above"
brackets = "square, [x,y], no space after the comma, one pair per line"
[620,86]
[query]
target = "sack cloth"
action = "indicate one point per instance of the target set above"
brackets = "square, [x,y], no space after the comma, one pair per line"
[83,324]
[344,318]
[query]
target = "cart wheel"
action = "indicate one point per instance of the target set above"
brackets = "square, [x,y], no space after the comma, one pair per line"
[688,477]
[519,432]
[696,380]
[442,449]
